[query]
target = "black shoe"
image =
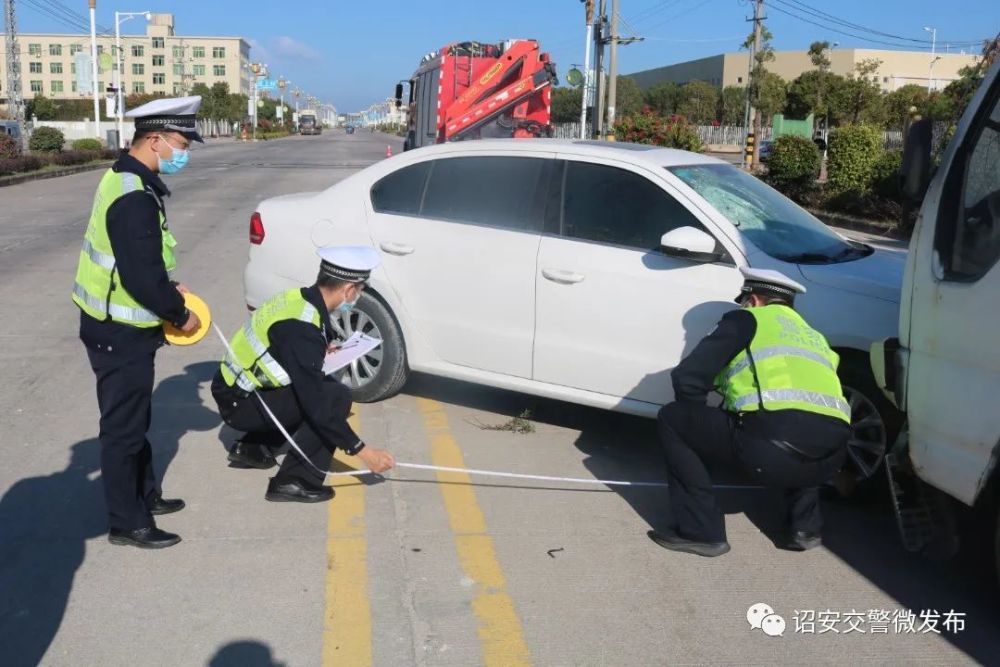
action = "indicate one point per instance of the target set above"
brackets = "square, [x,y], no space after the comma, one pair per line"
[251,455]
[144,538]
[296,491]
[161,505]
[674,542]
[799,540]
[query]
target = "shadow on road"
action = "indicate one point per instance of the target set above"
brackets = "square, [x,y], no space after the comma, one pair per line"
[244,653]
[45,522]
[862,535]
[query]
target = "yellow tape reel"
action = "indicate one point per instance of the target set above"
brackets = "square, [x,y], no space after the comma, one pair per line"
[195,304]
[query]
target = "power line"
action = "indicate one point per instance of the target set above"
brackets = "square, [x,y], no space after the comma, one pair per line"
[679,14]
[841,32]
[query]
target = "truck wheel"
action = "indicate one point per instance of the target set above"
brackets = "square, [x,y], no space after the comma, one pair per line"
[382,372]
[875,423]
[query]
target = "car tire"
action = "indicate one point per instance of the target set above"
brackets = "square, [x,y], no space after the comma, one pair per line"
[875,424]
[382,374]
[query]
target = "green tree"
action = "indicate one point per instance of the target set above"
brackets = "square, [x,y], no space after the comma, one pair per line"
[42,108]
[959,93]
[860,99]
[566,105]
[663,98]
[732,105]
[759,86]
[697,102]
[899,102]
[811,93]
[771,94]
[629,95]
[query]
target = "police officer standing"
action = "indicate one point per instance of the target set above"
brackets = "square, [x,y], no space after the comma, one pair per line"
[784,417]
[125,294]
[278,355]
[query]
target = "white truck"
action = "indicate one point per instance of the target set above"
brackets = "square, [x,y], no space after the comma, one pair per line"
[943,371]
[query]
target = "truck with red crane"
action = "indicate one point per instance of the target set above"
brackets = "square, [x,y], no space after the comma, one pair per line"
[473,90]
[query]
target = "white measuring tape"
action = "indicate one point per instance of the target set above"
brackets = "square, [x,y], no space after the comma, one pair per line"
[466,471]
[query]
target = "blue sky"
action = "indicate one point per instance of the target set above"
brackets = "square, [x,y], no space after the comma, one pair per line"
[352,53]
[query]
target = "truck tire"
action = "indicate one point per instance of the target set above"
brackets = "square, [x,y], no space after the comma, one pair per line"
[383,374]
[875,424]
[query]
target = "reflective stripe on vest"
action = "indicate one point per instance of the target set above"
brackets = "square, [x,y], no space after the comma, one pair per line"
[97,289]
[251,366]
[779,350]
[794,395]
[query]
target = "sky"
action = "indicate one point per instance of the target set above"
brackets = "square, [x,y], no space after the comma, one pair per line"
[351,54]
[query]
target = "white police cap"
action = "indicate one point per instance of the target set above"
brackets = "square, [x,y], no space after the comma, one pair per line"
[351,263]
[769,280]
[172,114]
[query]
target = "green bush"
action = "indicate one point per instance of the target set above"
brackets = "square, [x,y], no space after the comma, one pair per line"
[46,140]
[651,128]
[87,145]
[885,175]
[70,158]
[853,154]
[9,147]
[793,164]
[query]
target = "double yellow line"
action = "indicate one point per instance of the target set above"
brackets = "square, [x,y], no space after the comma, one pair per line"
[347,635]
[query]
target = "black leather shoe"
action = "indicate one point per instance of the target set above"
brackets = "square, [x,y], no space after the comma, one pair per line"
[800,540]
[251,455]
[295,491]
[144,538]
[161,505]
[674,542]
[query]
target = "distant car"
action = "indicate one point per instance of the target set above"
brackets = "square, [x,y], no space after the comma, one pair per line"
[10,128]
[577,270]
[765,149]
[349,129]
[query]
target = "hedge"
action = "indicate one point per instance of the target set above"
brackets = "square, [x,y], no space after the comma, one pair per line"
[87,145]
[29,163]
[650,128]
[46,140]
[852,157]
[9,147]
[793,164]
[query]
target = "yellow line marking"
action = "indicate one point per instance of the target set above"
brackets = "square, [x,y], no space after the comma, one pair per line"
[347,623]
[500,634]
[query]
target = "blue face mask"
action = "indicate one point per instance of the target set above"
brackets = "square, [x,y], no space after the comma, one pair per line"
[179,159]
[345,307]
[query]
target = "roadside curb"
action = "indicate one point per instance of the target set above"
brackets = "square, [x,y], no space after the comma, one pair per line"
[883,229]
[68,171]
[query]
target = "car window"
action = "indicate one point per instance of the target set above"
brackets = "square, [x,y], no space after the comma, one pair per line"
[491,190]
[611,205]
[401,191]
[967,238]
[766,217]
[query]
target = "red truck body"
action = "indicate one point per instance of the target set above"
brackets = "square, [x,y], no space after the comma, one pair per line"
[470,90]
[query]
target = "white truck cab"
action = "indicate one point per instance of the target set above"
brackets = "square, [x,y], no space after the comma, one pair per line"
[943,371]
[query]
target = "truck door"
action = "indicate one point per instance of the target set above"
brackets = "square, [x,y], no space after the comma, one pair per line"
[952,328]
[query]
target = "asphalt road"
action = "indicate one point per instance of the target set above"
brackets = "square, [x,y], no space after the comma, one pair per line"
[419,568]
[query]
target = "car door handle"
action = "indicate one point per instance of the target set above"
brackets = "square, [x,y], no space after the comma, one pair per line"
[396,248]
[562,277]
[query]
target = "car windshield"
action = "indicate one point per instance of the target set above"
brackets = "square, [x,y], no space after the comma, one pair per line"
[767,218]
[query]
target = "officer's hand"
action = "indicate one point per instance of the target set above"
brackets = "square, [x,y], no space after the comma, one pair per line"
[182,288]
[192,322]
[377,460]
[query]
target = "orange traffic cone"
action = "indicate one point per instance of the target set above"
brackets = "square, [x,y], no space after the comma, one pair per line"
[388,151]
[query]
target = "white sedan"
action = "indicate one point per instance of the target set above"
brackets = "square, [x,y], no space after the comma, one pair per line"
[576,270]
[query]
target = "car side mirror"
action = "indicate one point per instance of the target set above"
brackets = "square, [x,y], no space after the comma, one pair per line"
[690,243]
[399,95]
[915,170]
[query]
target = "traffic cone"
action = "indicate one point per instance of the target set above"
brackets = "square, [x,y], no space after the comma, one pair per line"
[388,150]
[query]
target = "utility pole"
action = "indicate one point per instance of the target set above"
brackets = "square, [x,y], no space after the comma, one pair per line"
[93,68]
[15,99]
[599,41]
[613,74]
[758,19]
[586,68]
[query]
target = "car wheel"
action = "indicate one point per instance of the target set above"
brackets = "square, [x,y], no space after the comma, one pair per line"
[382,372]
[875,423]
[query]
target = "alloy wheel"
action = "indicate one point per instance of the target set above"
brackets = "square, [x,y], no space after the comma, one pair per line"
[867,444]
[365,369]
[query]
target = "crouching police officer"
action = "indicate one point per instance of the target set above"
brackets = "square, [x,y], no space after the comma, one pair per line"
[279,355]
[784,417]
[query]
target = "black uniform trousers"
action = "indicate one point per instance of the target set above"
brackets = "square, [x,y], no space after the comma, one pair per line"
[124,397]
[245,413]
[694,434]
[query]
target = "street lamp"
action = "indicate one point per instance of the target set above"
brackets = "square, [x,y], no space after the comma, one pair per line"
[281,109]
[258,70]
[930,76]
[121,17]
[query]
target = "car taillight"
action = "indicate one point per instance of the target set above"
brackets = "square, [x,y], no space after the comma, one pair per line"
[256,229]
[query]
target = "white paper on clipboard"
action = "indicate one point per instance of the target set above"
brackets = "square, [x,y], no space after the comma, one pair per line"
[355,347]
